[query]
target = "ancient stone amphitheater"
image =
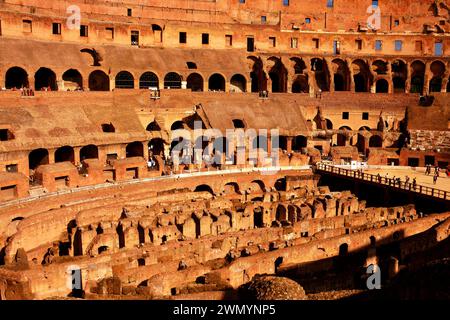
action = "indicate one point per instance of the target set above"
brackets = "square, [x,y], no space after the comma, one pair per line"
[106,188]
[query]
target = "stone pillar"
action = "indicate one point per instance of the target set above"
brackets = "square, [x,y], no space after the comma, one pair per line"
[389,80]
[289,144]
[136,83]
[145,148]
[248,85]
[76,155]
[51,156]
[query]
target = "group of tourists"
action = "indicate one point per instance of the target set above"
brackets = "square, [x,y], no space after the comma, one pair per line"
[436,172]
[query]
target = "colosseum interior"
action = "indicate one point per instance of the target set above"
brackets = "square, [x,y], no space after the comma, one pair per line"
[343,107]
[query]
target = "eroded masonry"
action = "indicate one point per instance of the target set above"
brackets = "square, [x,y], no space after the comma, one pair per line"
[98,200]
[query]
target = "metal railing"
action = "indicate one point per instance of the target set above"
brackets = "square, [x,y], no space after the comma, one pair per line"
[403,185]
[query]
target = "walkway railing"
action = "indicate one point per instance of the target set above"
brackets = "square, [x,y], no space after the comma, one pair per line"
[408,186]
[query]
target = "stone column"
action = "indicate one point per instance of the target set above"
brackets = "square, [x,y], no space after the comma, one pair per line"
[289,144]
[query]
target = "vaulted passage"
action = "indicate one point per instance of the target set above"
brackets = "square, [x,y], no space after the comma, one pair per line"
[301,80]
[438,70]
[195,82]
[321,74]
[382,86]
[258,76]
[37,157]
[341,75]
[65,153]
[278,75]
[45,79]
[172,80]
[238,83]
[16,78]
[72,80]
[98,81]
[361,76]
[417,77]
[216,82]
[135,149]
[89,152]
[399,75]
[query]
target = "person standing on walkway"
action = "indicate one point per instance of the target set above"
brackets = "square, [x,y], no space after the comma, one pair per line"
[435,178]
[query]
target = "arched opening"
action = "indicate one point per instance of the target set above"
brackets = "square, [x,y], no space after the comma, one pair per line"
[321,73]
[216,82]
[417,77]
[438,70]
[231,188]
[37,157]
[156,147]
[98,81]
[172,80]
[361,143]
[282,143]
[278,75]
[341,75]
[124,80]
[257,75]
[102,249]
[343,250]
[300,83]
[281,213]
[89,152]
[299,142]
[134,149]
[375,142]
[72,80]
[238,83]
[278,263]
[64,154]
[148,80]
[280,184]
[153,126]
[361,76]
[45,79]
[399,75]
[16,78]
[329,124]
[195,82]
[382,86]
[204,188]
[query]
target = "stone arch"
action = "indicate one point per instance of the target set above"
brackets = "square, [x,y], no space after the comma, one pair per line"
[72,79]
[361,76]
[16,77]
[37,157]
[148,80]
[153,126]
[45,78]
[257,75]
[417,76]
[438,70]
[382,86]
[65,153]
[399,75]
[230,188]
[321,73]
[341,72]
[195,82]
[238,83]
[300,83]
[124,80]
[258,184]
[98,81]
[204,188]
[134,149]
[278,75]
[172,80]
[216,82]
[281,213]
[89,152]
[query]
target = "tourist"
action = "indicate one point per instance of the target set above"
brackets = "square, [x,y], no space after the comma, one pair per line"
[414,183]
[428,169]
[379,178]
[435,178]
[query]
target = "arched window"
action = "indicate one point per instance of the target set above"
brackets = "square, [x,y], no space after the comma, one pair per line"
[135,149]
[72,80]
[238,83]
[89,152]
[195,82]
[45,79]
[65,153]
[216,82]
[37,157]
[172,80]
[124,80]
[148,80]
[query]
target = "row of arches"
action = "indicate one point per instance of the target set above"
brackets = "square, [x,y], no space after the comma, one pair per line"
[340,75]
[41,156]
[45,78]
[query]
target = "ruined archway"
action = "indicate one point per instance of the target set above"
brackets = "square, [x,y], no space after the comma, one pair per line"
[399,75]
[72,80]
[45,79]
[341,75]
[438,69]
[16,77]
[124,80]
[98,81]
[238,83]
[195,82]
[300,83]
[278,75]
[148,80]
[417,77]
[380,67]
[321,73]
[361,76]
[257,75]
[216,82]
[64,154]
